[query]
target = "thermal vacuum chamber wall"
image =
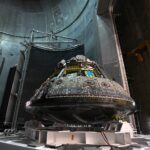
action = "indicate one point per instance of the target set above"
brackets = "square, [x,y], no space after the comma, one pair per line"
[96,32]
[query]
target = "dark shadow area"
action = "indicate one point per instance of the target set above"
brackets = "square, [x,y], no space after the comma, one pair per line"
[132,20]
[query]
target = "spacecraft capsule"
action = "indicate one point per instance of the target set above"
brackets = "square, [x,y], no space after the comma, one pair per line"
[79,92]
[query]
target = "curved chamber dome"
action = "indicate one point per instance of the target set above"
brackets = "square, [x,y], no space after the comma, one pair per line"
[19,17]
[79,92]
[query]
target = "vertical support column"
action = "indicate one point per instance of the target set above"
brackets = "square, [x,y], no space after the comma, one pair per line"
[120,58]
[111,54]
